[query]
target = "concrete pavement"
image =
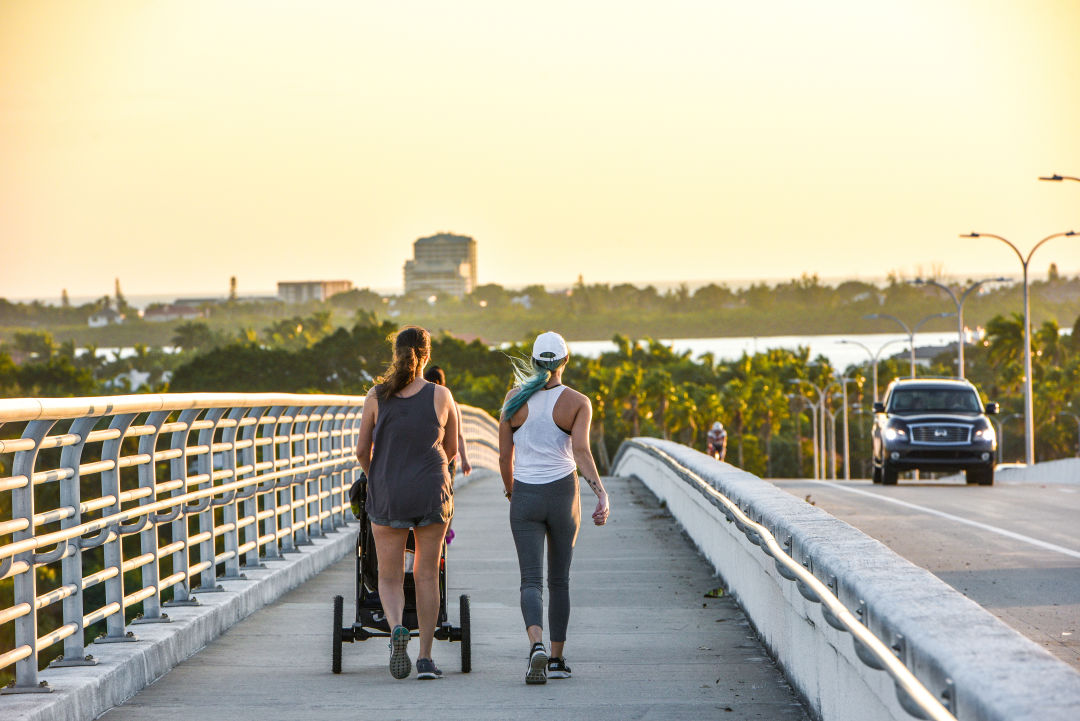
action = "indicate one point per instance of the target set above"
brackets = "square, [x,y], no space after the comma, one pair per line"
[644,642]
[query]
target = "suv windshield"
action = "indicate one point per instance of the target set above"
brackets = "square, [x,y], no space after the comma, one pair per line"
[934,400]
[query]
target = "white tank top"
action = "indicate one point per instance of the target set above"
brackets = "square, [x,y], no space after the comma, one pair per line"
[542,451]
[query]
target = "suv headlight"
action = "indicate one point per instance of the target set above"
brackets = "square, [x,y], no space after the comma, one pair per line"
[985,433]
[895,430]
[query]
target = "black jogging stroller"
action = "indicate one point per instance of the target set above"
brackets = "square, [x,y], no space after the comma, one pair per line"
[370,620]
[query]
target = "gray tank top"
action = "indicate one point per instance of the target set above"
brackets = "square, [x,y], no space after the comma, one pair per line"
[409,478]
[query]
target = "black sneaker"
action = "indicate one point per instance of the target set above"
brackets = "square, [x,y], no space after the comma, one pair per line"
[536,673]
[557,668]
[400,665]
[426,669]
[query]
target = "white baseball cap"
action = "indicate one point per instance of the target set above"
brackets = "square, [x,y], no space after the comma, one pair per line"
[549,346]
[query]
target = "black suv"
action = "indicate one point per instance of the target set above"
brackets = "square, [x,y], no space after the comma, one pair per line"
[933,425]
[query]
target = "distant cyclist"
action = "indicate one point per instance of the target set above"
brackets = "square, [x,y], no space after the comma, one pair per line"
[717,441]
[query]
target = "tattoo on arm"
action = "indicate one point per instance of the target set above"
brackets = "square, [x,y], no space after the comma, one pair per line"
[595,484]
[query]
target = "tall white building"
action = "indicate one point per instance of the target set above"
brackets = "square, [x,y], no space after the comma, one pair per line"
[442,263]
[306,290]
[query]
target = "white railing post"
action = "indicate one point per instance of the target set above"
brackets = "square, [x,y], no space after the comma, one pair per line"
[71,568]
[273,548]
[301,532]
[248,457]
[25,586]
[148,537]
[283,460]
[181,525]
[115,624]
[204,466]
[229,516]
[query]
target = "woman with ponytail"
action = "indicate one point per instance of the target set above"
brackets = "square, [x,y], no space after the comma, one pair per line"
[407,434]
[543,439]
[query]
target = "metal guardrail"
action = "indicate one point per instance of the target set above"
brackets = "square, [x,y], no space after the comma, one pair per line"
[209,484]
[913,696]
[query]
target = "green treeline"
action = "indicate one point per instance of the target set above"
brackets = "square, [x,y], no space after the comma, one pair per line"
[803,306]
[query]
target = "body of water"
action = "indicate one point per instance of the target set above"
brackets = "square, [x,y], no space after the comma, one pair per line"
[840,355]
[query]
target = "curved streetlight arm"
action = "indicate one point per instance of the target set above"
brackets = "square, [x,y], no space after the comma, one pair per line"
[890,317]
[1006,241]
[931,317]
[947,289]
[1049,237]
[1055,176]
[889,343]
[975,286]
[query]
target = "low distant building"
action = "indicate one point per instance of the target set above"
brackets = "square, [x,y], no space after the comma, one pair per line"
[442,264]
[165,313]
[309,290]
[106,316]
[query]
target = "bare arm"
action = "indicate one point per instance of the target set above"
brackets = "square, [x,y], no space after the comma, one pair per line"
[579,441]
[450,425]
[506,454]
[466,466]
[367,431]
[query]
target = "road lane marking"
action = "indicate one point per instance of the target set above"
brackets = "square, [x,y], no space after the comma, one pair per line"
[934,512]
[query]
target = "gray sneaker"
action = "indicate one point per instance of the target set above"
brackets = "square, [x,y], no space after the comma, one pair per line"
[400,665]
[536,673]
[426,669]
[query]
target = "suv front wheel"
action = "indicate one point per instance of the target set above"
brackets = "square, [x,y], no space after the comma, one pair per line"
[982,476]
[889,474]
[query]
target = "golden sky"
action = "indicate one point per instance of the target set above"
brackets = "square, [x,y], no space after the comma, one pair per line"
[174,143]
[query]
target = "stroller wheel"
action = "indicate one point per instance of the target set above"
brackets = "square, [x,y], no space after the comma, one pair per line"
[335,651]
[466,641]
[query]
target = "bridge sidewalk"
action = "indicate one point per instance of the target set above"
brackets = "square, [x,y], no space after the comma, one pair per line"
[644,643]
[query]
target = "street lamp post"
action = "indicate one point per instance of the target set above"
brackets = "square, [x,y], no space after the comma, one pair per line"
[832,442]
[1001,434]
[856,409]
[820,407]
[1029,404]
[814,423]
[959,303]
[910,331]
[874,357]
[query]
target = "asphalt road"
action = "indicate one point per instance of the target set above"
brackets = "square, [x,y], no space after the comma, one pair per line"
[1012,548]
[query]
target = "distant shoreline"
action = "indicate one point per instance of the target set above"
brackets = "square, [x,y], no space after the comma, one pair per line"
[142,300]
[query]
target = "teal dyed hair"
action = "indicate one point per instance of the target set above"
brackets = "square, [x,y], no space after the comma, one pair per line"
[530,375]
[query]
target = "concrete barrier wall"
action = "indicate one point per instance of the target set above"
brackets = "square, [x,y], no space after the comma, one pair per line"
[1064,470]
[977,666]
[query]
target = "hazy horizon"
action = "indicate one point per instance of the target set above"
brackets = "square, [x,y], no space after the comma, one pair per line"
[141,299]
[174,144]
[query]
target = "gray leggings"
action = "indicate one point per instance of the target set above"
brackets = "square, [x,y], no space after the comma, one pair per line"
[551,511]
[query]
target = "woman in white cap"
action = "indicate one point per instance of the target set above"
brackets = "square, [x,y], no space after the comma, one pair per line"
[543,440]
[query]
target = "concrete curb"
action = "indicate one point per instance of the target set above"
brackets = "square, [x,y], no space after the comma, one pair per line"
[980,667]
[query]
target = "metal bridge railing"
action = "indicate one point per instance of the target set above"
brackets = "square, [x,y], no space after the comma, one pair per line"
[159,497]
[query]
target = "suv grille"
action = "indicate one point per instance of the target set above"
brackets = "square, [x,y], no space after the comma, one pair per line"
[940,433]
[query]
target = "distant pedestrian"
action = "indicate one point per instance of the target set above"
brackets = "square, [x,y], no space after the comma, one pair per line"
[716,441]
[436,375]
[543,439]
[408,433]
